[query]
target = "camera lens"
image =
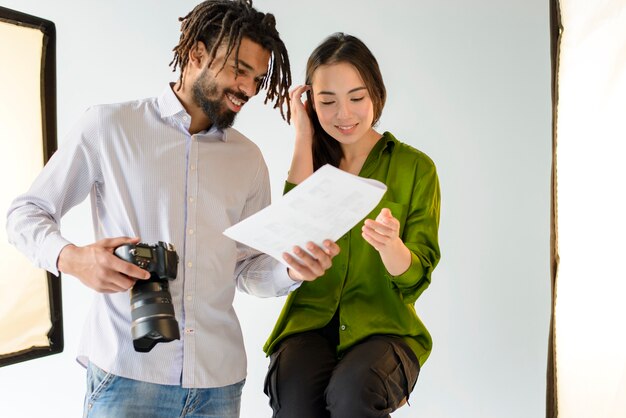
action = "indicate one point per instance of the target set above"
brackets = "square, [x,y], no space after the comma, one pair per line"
[152,313]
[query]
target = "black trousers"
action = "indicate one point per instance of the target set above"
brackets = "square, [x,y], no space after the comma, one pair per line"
[306,379]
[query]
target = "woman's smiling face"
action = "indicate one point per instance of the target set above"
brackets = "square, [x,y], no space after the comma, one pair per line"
[342,102]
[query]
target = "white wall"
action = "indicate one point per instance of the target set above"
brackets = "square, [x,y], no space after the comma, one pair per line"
[468,84]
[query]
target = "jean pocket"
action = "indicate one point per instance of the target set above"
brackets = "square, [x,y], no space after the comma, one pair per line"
[97,381]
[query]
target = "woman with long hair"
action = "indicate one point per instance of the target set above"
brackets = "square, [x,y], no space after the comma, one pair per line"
[350,343]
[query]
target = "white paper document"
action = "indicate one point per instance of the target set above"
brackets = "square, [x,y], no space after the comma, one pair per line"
[324,206]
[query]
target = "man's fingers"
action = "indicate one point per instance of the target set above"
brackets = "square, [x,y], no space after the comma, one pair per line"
[117,288]
[332,249]
[324,259]
[313,262]
[303,263]
[117,264]
[111,282]
[128,269]
[122,282]
[296,267]
[118,283]
[292,261]
[308,261]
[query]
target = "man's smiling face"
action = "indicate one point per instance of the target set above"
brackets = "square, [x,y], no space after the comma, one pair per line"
[222,92]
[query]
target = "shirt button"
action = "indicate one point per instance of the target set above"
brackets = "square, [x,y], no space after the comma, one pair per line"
[191,232]
[193,167]
[185,118]
[189,298]
[191,199]
[189,264]
[188,330]
[343,327]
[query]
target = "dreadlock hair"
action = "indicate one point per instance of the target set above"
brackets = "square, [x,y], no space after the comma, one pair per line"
[340,47]
[214,22]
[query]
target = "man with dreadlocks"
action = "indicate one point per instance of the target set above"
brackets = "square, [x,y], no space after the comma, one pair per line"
[171,169]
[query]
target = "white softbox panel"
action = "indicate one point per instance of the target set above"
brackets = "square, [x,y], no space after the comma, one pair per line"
[30,315]
[590,197]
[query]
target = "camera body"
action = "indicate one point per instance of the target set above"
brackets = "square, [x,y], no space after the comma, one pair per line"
[159,260]
[152,312]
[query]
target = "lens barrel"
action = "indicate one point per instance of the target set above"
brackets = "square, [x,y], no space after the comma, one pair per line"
[152,314]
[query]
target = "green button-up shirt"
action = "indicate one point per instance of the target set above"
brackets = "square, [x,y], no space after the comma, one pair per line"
[371,300]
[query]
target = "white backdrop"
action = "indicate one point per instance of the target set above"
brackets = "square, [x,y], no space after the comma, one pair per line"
[468,84]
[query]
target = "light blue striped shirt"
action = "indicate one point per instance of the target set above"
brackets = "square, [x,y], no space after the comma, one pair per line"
[148,177]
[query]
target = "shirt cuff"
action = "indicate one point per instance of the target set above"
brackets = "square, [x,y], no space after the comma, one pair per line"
[411,275]
[50,251]
[283,282]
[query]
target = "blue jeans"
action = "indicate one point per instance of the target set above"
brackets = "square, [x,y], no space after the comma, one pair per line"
[111,396]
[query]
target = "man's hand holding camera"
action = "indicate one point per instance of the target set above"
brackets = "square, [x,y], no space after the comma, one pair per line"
[98,268]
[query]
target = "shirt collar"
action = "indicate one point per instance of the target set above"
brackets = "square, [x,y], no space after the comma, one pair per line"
[387,142]
[171,108]
[169,105]
[384,144]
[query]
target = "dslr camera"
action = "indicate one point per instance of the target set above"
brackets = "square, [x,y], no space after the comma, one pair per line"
[151,306]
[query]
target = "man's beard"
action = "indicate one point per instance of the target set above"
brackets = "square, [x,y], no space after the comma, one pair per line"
[220,116]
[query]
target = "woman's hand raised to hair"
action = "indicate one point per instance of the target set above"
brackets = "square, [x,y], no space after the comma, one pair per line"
[302,160]
[300,115]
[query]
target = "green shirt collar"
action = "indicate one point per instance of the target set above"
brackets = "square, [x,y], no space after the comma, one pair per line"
[385,144]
